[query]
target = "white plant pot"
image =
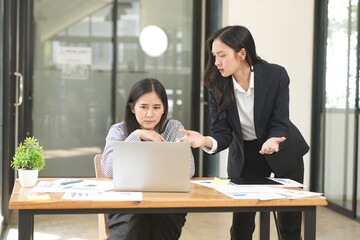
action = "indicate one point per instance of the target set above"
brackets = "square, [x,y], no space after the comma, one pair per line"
[28,178]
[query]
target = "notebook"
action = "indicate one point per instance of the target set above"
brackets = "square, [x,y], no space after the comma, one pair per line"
[151,166]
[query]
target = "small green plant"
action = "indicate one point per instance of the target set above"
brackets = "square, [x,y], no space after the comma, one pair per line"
[29,155]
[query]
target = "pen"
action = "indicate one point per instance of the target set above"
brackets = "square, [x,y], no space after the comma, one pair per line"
[70,182]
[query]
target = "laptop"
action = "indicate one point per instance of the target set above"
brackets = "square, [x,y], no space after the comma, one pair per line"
[151,166]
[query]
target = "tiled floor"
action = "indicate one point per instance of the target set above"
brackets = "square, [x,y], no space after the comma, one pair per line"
[199,226]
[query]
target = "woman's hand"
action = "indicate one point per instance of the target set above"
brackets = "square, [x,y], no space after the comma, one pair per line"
[149,135]
[271,145]
[195,139]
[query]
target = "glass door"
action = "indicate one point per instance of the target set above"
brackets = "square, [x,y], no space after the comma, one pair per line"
[340,118]
[71,83]
[87,54]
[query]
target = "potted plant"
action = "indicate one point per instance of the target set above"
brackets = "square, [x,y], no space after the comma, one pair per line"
[28,160]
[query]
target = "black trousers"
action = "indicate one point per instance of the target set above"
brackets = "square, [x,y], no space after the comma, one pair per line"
[243,224]
[146,226]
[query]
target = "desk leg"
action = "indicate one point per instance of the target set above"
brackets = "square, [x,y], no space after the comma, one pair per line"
[264,225]
[26,225]
[310,223]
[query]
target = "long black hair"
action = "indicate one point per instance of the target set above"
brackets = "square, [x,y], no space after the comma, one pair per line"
[237,38]
[140,88]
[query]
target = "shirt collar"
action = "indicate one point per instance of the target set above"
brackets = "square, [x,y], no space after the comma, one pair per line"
[239,88]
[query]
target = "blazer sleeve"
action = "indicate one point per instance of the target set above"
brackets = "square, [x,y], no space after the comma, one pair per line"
[279,121]
[221,130]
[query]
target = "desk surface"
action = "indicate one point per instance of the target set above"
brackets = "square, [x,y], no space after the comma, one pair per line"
[198,197]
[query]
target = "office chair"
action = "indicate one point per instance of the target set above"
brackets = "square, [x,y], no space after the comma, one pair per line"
[104,232]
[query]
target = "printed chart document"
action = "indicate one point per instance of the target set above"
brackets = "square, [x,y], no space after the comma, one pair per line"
[286,182]
[103,196]
[81,189]
[277,182]
[261,189]
[236,192]
[263,193]
[71,185]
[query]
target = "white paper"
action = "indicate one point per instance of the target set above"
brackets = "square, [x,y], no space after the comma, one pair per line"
[294,194]
[103,196]
[247,192]
[286,182]
[205,183]
[263,193]
[83,186]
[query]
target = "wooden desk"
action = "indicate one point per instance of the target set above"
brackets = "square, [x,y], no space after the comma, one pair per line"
[199,199]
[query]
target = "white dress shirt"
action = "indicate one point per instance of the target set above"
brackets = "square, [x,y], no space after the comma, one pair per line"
[245,106]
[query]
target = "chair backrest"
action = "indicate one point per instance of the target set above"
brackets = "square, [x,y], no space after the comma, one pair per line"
[104,232]
[97,164]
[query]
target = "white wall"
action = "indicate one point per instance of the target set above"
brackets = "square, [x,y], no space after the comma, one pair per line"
[283,31]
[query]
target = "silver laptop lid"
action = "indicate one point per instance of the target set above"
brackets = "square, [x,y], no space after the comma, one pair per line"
[151,166]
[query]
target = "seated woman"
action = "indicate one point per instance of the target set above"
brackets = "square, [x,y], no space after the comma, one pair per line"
[145,120]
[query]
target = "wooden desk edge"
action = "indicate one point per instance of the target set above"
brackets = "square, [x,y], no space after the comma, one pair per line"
[179,200]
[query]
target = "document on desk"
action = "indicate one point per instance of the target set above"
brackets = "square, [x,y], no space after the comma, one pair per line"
[257,189]
[248,192]
[286,182]
[73,185]
[103,196]
[263,193]
[282,182]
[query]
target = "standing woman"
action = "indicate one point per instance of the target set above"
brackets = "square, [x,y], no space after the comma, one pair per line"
[249,106]
[145,120]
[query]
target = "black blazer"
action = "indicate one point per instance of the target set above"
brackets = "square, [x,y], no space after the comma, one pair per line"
[271,119]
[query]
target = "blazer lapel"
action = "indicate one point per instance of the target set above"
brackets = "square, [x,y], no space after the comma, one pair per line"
[260,91]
